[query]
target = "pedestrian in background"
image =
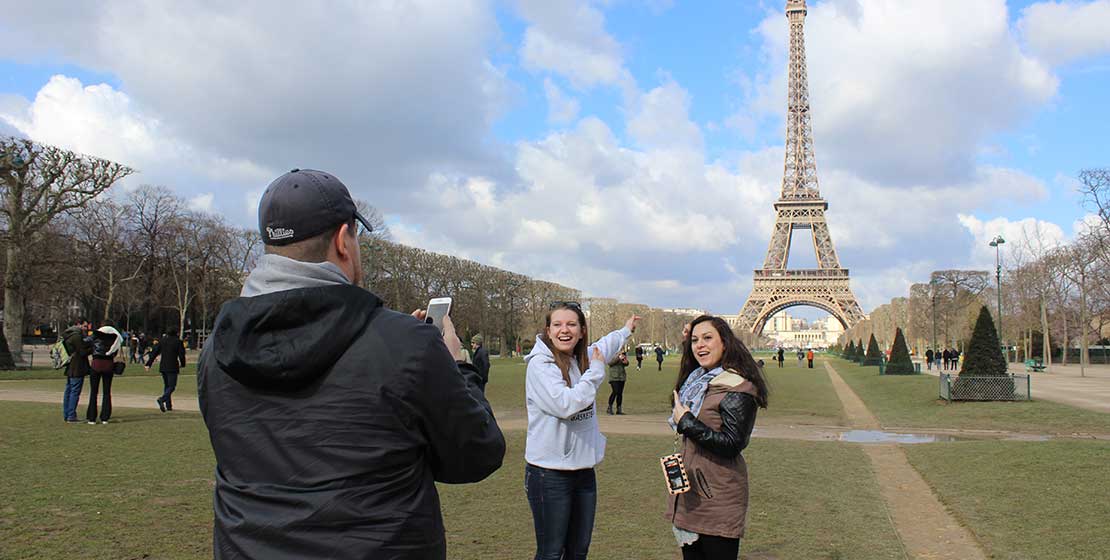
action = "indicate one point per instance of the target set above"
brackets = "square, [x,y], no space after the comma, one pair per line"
[659,353]
[618,374]
[172,351]
[480,357]
[107,362]
[79,348]
[639,357]
[809,356]
[781,356]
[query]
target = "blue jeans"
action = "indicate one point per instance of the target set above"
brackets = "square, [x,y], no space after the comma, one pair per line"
[169,384]
[563,505]
[72,395]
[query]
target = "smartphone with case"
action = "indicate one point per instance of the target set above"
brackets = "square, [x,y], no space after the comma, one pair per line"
[438,308]
[675,473]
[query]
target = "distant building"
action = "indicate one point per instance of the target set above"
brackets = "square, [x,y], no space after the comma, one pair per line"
[793,332]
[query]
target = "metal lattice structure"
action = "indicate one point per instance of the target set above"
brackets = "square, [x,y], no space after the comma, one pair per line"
[985,388]
[799,207]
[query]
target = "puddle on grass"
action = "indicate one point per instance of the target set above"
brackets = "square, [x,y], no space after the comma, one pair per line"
[876,436]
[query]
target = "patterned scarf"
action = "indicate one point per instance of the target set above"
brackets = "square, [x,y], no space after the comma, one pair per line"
[692,393]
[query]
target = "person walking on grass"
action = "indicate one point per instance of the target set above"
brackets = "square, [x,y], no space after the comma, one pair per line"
[659,353]
[79,348]
[781,356]
[929,359]
[107,362]
[331,417]
[618,374]
[639,357]
[564,443]
[480,357]
[809,356]
[172,351]
[716,396]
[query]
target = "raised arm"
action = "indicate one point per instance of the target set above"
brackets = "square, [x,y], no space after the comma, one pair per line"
[610,345]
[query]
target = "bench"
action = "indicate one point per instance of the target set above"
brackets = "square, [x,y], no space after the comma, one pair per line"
[1034,365]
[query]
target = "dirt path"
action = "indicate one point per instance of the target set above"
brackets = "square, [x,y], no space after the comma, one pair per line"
[926,528]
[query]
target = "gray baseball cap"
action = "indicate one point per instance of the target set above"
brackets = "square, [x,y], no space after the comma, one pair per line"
[302,204]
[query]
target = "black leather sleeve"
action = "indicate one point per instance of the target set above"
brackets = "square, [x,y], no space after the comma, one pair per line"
[737,420]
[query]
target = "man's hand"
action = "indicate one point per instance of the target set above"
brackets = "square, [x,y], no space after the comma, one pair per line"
[632,322]
[452,340]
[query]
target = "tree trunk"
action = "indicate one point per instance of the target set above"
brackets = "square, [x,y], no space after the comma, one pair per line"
[13,302]
[1064,356]
[1046,347]
[1084,323]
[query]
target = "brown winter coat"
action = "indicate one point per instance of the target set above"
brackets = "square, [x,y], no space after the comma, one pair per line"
[717,503]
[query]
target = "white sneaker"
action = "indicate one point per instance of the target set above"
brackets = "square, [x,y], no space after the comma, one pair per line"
[102,422]
[92,423]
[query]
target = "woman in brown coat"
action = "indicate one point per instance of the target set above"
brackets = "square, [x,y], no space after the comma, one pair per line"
[718,391]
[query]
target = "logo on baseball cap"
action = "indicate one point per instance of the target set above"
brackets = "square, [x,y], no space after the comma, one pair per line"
[302,204]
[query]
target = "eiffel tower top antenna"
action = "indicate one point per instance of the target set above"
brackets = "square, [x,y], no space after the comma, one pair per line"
[799,182]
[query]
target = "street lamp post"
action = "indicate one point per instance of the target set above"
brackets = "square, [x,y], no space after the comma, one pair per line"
[996,243]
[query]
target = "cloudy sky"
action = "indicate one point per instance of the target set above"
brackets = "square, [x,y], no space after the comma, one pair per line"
[629,148]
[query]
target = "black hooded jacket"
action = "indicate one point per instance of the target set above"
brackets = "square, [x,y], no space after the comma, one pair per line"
[331,419]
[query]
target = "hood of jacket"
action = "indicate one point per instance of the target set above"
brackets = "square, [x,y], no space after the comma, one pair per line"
[540,349]
[286,340]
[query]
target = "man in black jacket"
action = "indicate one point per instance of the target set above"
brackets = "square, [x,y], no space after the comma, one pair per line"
[172,351]
[480,358]
[332,417]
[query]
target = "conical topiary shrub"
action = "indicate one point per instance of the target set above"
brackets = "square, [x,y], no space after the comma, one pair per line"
[983,359]
[859,351]
[874,356]
[900,361]
[850,351]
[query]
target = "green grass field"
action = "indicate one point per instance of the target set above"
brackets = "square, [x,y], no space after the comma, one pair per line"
[77,491]
[142,488]
[1025,500]
[912,401]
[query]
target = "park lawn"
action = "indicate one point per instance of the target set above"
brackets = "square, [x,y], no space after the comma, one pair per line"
[79,491]
[798,395]
[49,373]
[1024,500]
[911,401]
[133,382]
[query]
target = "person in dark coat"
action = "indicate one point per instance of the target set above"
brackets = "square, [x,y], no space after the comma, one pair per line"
[79,347]
[172,351]
[639,357]
[781,356]
[929,359]
[480,357]
[331,417]
[659,353]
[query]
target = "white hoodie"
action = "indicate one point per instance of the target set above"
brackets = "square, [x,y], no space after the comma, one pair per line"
[563,433]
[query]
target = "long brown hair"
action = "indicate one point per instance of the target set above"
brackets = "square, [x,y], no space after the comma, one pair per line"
[579,352]
[735,357]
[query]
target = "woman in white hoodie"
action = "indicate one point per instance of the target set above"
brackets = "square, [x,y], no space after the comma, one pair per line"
[564,442]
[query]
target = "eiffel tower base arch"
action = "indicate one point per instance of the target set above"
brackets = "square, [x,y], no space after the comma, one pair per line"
[774,291]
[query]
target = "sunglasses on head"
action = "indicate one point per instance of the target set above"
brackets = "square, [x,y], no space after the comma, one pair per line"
[568,304]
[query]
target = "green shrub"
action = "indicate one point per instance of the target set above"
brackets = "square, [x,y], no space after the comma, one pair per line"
[900,361]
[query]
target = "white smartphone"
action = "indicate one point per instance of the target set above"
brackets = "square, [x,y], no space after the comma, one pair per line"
[438,308]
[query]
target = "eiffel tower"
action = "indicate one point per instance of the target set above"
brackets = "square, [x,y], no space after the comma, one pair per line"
[800,207]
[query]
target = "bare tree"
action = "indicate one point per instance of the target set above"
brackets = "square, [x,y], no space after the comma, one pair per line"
[37,183]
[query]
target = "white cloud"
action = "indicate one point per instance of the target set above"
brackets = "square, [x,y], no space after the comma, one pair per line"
[1063,32]
[1024,239]
[379,93]
[569,38]
[202,203]
[560,108]
[900,107]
